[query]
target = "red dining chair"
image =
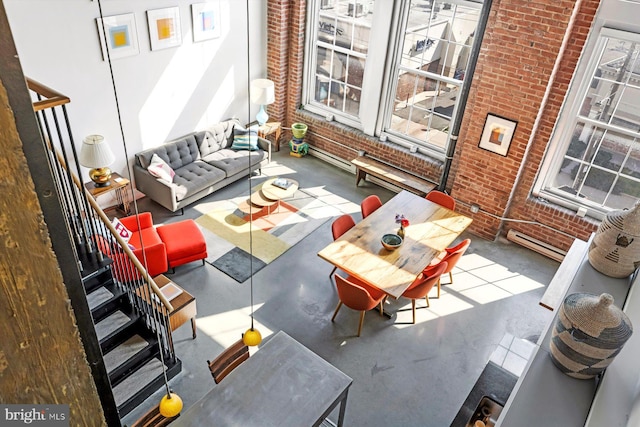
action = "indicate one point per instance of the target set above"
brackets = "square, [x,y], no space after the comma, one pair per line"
[369,205]
[451,256]
[341,225]
[443,199]
[423,284]
[357,295]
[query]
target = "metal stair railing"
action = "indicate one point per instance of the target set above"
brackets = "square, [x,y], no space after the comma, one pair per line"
[90,227]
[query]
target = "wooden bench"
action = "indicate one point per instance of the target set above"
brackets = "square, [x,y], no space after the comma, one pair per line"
[366,165]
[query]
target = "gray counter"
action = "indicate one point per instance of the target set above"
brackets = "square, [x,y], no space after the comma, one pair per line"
[543,395]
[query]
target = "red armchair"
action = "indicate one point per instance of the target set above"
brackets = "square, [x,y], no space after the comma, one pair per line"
[443,199]
[154,248]
[341,225]
[369,205]
[147,235]
[423,284]
[357,295]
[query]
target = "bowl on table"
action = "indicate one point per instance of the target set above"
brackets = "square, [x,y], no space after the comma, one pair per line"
[391,241]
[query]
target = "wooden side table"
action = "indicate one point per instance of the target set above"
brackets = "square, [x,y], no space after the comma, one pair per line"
[184,306]
[119,184]
[270,128]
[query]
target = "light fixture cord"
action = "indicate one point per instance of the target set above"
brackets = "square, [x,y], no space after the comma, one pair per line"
[250,205]
[135,203]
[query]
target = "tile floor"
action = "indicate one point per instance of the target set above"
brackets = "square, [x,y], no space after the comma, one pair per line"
[404,375]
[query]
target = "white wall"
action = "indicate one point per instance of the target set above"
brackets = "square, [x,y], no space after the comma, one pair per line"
[161,94]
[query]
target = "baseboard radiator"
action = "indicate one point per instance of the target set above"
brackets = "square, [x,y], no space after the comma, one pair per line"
[331,159]
[536,245]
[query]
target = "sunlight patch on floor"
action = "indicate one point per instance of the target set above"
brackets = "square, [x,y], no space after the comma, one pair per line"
[476,281]
[518,284]
[228,327]
[445,305]
[486,293]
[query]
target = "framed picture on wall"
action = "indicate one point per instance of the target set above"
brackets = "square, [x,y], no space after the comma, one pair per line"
[118,36]
[164,28]
[497,134]
[206,20]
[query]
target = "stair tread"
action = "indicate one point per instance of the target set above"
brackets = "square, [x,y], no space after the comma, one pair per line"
[99,296]
[111,324]
[132,384]
[124,352]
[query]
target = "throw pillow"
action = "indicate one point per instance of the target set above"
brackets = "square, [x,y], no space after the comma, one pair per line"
[244,139]
[123,231]
[160,169]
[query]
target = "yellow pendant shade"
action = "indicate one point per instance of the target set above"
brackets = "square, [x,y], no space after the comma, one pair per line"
[170,405]
[252,337]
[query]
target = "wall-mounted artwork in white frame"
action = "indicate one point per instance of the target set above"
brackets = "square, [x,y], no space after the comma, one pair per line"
[497,134]
[206,20]
[121,36]
[164,28]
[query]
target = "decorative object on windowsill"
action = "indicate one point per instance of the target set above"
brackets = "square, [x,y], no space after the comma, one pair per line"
[96,154]
[263,93]
[391,242]
[404,222]
[297,146]
[589,333]
[615,248]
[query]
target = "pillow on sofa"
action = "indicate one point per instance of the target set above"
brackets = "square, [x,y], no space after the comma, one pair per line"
[160,169]
[244,139]
[123,231]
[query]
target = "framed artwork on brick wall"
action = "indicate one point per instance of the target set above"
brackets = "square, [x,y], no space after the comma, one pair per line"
[497,134]
[164,28]
[206,20]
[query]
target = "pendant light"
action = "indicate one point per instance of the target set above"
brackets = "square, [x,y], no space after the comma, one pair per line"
[252,336]
[171,404]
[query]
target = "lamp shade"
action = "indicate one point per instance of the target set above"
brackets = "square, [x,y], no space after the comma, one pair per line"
[262,92]
[95,153]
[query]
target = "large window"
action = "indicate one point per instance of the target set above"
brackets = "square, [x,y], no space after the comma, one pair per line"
[390,67]
[594,161]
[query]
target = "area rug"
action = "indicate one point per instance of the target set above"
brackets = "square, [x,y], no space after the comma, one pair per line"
[226,229]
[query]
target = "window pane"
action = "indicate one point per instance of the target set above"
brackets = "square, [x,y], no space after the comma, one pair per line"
[601,166]
[344,28]
[436,48]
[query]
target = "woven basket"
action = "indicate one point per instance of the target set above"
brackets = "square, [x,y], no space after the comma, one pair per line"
[589,333]
[615,248]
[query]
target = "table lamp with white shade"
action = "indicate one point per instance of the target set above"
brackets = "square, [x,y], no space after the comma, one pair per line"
[96,154]
[263,93]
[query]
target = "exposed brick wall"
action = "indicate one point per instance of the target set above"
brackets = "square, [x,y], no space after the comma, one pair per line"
[516,61]
[278,12]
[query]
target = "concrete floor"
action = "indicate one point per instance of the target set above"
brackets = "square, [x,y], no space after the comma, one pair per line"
[404,374]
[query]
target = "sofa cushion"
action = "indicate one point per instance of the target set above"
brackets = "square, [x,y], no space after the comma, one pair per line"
[195,177]
[217,137]
[176,153]
[160,169]
[244,139]
[233,162]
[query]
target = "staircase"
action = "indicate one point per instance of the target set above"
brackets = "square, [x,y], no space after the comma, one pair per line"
[130,348]
[130,314]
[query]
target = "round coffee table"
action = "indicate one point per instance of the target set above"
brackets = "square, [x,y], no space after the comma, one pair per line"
[268,196]
[271,192]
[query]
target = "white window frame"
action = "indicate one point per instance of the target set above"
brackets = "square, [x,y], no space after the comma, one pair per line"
[610,12]
[378,85]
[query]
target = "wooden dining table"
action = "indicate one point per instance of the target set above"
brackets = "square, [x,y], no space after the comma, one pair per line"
[359,252]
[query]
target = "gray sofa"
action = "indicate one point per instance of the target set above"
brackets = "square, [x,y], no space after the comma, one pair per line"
[203,162]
